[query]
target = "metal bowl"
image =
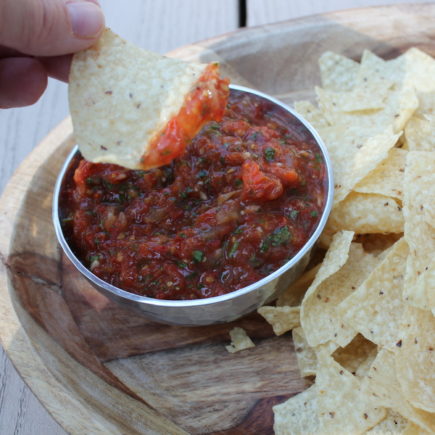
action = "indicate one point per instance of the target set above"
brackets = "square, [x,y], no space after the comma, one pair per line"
[218,309]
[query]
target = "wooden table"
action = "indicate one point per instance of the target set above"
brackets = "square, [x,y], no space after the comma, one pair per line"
[156,25]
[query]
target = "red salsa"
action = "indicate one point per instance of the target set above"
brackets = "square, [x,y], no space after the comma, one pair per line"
[242,199]
[206,102]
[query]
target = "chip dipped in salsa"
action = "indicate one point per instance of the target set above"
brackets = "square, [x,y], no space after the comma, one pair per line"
[242,199]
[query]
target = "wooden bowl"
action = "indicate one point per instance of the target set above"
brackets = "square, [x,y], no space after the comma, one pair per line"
[98,368]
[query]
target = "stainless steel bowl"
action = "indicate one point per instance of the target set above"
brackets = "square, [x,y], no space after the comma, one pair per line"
[217,309]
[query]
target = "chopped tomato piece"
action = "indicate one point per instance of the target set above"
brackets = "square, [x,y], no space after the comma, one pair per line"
[288,176]
[259,185]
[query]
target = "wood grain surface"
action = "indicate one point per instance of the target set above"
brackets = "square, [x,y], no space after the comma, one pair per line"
[198,400]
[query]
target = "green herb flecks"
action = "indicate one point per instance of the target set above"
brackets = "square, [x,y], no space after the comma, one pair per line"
[233,249]
[198,256]
[182,264]
[109,186]
[214,126]
[280,236]
[265,245]
[94,260]
[93,181]
[293,214]
[269,154]
[202,173]
[67,220]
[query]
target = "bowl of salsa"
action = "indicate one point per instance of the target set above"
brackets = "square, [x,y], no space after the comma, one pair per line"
[213,235]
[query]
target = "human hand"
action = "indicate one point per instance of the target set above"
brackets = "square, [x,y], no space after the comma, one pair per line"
[37,38]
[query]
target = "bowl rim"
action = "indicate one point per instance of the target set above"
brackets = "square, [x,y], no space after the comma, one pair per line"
[124,294]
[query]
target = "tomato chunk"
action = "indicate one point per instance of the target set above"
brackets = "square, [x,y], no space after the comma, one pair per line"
[259,185]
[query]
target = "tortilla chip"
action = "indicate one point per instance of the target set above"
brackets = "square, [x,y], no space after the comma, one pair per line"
[298,415]
[372,66]
[419,215]
[354,153]
[423,289]
[420,133]
[399,106]
[121,97]
[393,423]
[239,340]
[360,126]
[420,129]
[413,429]
[375,69]
[387,178]
[340,249]
[419,69]
[335,258]
[341,406]
[367,96]
[412,70]
[312,114]
[376,308]
[353,163]
[282,319]
[305,355]
[415,358]
[319,317]
[382,385]
[338,73]
[366,214]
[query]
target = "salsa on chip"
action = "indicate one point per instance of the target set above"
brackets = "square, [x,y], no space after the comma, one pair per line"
[137,109]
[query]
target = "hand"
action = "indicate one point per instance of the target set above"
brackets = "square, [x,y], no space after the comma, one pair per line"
[37,38]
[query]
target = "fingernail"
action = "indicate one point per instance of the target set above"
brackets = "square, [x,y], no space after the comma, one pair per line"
[86,18]
[94,1]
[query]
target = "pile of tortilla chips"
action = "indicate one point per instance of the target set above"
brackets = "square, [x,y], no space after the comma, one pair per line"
[366,327]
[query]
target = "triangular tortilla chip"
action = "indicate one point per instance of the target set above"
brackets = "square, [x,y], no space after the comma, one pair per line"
[123,98]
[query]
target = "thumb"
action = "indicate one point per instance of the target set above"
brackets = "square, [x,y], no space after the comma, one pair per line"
[49,27]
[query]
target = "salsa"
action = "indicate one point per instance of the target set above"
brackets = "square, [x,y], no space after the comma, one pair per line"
[241,200]
[206,102]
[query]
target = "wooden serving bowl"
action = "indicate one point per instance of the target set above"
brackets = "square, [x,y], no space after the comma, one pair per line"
[98,368]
